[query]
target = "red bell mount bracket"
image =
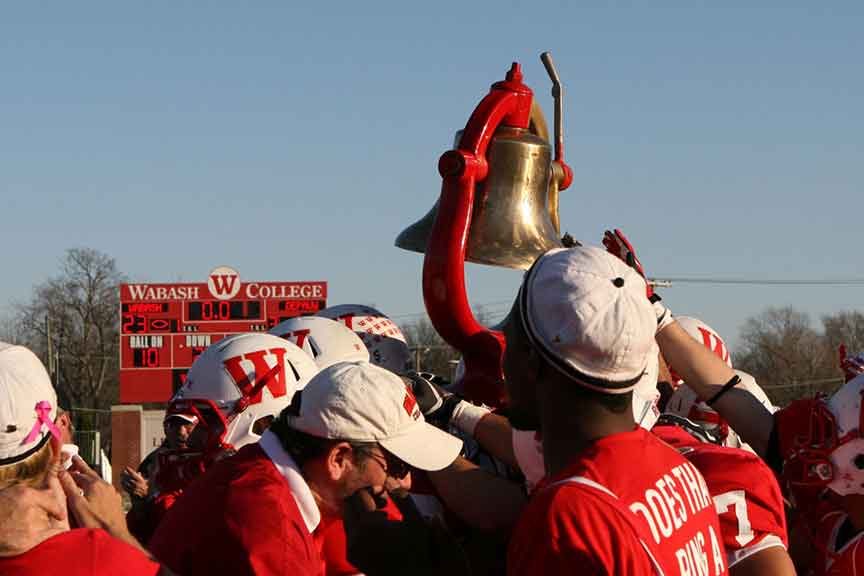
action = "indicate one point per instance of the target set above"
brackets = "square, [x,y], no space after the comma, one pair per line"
[507,104]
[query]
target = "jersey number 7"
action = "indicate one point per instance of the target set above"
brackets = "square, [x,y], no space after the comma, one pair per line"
[736,498]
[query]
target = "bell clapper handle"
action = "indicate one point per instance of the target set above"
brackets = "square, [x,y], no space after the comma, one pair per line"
[562,175]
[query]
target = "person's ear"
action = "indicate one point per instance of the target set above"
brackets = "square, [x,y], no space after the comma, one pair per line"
[338,460]
[63,421]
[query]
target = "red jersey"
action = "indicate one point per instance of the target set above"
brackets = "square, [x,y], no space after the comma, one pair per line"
[250,514]
[80,552]
[625,495]
[745,493]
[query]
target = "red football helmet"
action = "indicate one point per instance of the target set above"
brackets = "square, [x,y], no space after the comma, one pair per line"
[807,461]
[822,440]
[852,366]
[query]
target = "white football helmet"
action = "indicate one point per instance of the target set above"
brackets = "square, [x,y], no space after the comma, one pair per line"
[383,338]
[684,401]
[709,338]
[239,380]
[326,341]
[847,458]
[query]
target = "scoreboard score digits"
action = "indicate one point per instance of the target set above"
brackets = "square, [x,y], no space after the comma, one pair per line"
[164,327]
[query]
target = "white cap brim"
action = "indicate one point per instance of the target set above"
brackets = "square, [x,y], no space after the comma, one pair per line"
[424,447]
[185,417]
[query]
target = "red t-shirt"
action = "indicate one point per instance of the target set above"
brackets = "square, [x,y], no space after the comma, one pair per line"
[568,525]
[80,552]
[239,518]
[745,493]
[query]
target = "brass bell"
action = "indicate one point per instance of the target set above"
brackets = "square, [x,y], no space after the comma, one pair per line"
[515,213]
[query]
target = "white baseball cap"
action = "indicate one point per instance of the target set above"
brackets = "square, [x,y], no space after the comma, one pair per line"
[586,312]
[361,402]
[28,404]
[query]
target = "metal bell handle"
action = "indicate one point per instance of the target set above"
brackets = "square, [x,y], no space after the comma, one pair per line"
[562,175]
[558,96]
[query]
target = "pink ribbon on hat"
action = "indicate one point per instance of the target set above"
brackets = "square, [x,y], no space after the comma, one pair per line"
[43,417]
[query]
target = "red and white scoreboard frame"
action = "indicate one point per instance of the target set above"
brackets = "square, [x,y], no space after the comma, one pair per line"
[164,327]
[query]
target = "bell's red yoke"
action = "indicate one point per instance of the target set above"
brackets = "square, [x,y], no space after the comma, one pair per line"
[508,104]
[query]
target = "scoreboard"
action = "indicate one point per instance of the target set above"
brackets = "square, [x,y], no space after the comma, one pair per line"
[164,327]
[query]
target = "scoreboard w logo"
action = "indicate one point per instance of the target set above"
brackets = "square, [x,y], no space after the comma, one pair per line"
[224,283]
[264,374]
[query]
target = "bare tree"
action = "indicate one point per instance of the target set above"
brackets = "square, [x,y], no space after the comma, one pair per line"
[81,304]
[430,350]
[786,355]
[845,328]
[10,330]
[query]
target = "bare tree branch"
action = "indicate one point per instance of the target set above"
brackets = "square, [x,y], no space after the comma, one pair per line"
[82,303]
[781,349]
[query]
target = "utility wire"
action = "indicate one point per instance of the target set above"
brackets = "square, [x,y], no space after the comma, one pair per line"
[761,282]
[494,309]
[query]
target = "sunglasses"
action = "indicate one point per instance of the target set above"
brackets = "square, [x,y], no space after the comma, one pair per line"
[392,466]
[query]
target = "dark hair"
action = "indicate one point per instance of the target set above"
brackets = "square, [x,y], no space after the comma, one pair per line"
[303,447]
[578,395]
[617,403]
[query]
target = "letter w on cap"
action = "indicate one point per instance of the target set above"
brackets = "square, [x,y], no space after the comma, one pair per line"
[410,404]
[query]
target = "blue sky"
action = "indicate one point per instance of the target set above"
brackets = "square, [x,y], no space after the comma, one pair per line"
[294,141]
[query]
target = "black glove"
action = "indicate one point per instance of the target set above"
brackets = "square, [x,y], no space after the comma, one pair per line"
[411,546]
[436,403]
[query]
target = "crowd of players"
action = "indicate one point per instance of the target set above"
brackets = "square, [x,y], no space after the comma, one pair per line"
[628,445]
